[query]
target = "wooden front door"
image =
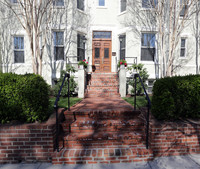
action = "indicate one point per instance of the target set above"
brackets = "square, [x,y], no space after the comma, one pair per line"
[101,55]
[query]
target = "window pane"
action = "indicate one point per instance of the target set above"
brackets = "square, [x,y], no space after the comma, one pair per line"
[19,56]
[182,42]
[80,4]
[13,1]
[149,3]
[122,54]
[148,39]
[58,3]
[182,52]
[58,38]
[19,42]
[106,52]
[105,35]
[81,54]
[59,53]
[101,2]
[97,52]
[123,5]
[147,54]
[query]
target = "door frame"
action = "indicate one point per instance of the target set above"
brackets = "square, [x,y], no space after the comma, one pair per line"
[102,39]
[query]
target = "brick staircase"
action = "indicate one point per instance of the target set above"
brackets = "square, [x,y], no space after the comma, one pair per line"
[114,135]
[102,85]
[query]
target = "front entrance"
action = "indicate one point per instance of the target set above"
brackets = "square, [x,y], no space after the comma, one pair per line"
[101,52]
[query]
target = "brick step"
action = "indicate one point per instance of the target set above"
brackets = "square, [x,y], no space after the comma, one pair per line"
[84,155]
[102,114]
[104,84]
[102,90]
[103,139]
[91,125]
[89,95]
[103,87]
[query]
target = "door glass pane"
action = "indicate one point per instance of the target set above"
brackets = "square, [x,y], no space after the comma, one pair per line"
[106,52]
[97,52]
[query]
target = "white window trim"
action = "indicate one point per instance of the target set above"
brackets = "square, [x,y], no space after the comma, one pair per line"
[17,50]
[183,57]
[56,30]
[155,56]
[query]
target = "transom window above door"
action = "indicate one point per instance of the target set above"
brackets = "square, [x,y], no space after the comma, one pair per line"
[101,2]
[101,35]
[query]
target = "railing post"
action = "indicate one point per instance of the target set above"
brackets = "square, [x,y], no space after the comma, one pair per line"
[147,130]
[68,76]
[135,77]
[56,146]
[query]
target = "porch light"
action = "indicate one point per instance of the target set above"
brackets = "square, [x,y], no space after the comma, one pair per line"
[84,39]
[121,38]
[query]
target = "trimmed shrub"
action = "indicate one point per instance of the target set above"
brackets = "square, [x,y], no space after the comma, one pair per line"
[23,98]
[176,97]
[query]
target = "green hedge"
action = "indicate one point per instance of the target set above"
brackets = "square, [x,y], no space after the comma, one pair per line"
[23,98]
[176,97]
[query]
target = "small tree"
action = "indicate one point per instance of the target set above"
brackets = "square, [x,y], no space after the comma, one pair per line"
[72,83]
[139,68]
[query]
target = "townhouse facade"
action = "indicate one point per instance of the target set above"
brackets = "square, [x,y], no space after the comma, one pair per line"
[102,32]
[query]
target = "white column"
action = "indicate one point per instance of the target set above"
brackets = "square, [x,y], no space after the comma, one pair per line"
[122,81]
[81,82]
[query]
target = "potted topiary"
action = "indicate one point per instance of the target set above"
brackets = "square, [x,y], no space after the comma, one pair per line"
[82,64]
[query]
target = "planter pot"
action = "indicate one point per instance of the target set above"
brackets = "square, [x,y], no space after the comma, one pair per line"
[122,67]
[81,67]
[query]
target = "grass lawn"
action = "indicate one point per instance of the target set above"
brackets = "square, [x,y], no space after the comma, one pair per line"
[140,101]
[63,102]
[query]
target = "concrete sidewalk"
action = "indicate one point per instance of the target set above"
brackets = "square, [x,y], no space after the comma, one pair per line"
[175,162]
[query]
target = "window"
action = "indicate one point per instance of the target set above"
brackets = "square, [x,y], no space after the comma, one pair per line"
[149,3]
[101,2]
[59,45]
[58,3]
[80,4]
[13,1]
[101,35]
[122,39]
[184,7]
[123,5]
[147,46]
[19,49]
[80,47]
[183,47]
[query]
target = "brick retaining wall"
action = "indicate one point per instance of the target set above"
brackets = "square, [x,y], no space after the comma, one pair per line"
[174,138]
[28,142]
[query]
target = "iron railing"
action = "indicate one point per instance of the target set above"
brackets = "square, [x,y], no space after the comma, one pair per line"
[67,75]
[148,107]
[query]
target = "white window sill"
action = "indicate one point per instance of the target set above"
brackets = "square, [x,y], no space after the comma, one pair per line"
[81,11]
[101,7]
[122,13]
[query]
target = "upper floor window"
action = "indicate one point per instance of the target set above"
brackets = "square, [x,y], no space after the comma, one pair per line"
[19,49]
[123,5]
[147,46]
[183,47]
[183,7]
[80,47]
[101,2]
[13,1]
[149,3]
[122,39]
[58,45]
[80,4]
[58,2]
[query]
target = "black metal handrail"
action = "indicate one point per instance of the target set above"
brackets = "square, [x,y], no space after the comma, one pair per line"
[56,108]
[148,107]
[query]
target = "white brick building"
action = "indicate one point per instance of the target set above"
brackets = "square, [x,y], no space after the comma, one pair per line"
[100,31]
